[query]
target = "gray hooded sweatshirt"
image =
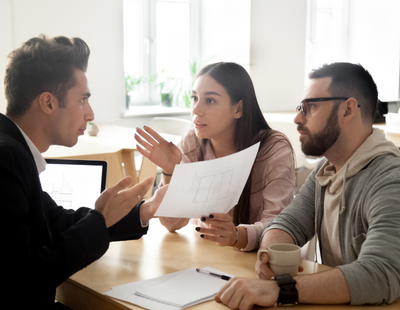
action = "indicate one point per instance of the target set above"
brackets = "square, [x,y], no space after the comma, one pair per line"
[367,189]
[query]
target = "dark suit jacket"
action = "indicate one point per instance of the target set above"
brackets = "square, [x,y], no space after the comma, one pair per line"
[42,243]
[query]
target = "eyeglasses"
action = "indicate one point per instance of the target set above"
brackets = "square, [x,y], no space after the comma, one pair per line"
[303,108]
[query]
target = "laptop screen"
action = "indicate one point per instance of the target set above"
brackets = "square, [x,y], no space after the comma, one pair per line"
[74,183]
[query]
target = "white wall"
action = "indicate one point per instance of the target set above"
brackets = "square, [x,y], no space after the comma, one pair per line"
[276,57]
[225,36]
[269,35]
[98,22]
[277,52]
[374,42]
[225,31]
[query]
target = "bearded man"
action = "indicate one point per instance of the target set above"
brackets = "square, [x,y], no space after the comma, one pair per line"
[350,202]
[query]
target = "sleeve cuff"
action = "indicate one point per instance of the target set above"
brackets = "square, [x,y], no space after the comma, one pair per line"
[251,238]
[144,224]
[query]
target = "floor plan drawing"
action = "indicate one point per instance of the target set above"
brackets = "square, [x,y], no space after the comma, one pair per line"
[209,189]
[61,191]
[199,188]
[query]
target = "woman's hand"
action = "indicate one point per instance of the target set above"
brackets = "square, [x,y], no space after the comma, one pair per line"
[164,154]
[220,229]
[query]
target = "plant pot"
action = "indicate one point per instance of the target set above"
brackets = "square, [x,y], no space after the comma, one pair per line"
[93,130]
[166,100]
[128,101]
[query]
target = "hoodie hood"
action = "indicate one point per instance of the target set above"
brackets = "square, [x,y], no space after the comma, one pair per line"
[374,146]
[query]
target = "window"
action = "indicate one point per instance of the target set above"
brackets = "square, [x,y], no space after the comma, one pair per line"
[160,43]
[357,31]
[326,32]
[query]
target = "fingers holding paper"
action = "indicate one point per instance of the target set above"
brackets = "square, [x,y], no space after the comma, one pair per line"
[242,293]
[218,228]
[161,152]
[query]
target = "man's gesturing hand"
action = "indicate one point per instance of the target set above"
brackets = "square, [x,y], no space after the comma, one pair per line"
[117,201]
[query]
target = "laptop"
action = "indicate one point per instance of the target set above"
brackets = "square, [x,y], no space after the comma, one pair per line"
[74,183]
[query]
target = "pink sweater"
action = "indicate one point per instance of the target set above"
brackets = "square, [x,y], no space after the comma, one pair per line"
[273,184]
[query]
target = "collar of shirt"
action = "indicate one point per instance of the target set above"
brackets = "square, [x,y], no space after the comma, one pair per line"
[37,156]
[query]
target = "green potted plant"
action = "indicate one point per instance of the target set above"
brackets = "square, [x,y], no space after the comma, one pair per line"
[166,92]
[167,85]
[130,84]
[93,130]
[185,90]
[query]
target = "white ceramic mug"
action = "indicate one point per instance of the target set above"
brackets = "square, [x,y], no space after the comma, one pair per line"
[283,258]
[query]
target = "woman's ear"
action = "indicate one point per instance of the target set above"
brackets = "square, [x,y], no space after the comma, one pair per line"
[239,109]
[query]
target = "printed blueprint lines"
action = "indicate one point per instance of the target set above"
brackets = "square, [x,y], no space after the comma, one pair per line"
[199,188]
[211,188]
[61,191]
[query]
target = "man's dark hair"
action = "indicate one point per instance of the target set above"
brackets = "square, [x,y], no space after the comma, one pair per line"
[41,65]
[351,80]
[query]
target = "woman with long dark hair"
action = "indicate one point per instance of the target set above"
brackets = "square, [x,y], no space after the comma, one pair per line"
[228,119]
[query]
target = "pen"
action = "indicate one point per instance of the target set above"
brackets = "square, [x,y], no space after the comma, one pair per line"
[221,276]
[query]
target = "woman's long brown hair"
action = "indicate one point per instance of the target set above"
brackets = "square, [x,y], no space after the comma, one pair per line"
[250,128]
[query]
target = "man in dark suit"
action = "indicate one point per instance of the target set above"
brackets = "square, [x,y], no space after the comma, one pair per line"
[43,244]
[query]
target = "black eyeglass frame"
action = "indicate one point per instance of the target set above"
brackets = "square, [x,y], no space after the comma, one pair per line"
[302,107]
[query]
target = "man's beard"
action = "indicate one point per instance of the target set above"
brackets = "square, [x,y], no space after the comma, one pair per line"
[322,141]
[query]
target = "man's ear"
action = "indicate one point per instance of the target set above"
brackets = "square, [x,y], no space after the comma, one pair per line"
[239,109]
[350,109]
[47,102]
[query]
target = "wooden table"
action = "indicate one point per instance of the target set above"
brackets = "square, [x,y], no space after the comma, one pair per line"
[159,253]
[117,146]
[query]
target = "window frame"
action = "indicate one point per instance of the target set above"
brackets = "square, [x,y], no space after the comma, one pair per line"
[148,93]
[311,34]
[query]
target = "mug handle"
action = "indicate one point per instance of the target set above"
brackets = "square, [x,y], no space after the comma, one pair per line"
[260,252]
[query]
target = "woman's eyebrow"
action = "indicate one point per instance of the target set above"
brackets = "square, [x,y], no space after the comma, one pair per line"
[212,93]
[207,93]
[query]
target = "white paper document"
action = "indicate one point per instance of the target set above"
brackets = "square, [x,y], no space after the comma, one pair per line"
[174,291]
[211,186]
